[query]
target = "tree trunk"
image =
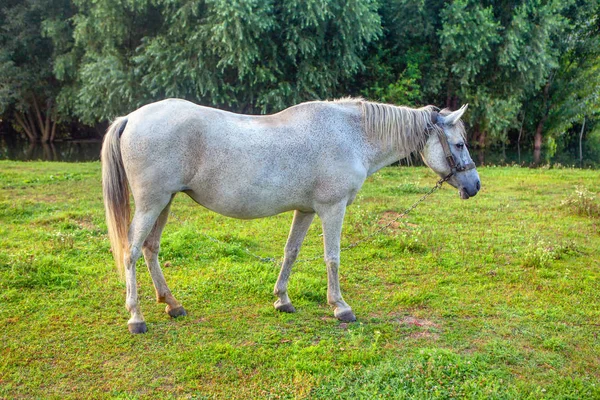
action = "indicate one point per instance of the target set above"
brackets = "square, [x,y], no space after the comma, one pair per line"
[44,124]
[53,131]
[519,138]
[580,144]
[478,136]
[38,124]
[23,124]
[30,120]
[449,93]
[46,134]
[537,139]
[454,103]
[30,150]
[481,139]
[40,120]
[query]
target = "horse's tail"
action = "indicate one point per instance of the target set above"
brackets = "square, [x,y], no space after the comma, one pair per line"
[116,192]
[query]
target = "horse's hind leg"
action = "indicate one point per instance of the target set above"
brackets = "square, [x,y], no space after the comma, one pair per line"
[300,226]
[146,214]
[150,249]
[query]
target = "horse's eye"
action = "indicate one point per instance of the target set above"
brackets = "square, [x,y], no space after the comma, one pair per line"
[460,146]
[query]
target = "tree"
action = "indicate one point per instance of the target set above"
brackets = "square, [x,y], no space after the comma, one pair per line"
[244,55]
[28,87]
[571,92]
[489,54]
[399,66]
[498,55]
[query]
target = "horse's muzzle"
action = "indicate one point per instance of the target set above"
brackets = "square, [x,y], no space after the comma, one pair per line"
[466,192]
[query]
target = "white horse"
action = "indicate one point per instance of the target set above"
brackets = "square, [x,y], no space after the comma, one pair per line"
[310,158]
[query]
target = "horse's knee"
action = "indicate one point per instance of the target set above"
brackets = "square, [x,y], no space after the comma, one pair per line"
[133,256]
[150,248]
[332,261]
[291,252]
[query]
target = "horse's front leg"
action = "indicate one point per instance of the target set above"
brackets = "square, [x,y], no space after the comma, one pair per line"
[332,218]
[300,226]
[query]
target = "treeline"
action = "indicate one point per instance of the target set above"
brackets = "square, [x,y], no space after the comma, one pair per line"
[529,69]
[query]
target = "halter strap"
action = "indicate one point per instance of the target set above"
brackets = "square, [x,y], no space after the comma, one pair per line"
[454,166]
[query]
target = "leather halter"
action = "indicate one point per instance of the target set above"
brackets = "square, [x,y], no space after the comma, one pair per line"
[452,162]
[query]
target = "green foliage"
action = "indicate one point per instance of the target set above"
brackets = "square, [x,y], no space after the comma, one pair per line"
[468,36]
[527,64]
[28,86]
[251,56]
[406,90]
[499,55]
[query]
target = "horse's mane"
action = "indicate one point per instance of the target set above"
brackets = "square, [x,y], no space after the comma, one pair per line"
[405,129]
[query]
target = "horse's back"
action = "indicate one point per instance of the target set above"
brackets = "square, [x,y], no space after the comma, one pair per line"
[273,163]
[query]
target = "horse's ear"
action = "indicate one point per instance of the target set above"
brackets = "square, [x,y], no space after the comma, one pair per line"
[453,117]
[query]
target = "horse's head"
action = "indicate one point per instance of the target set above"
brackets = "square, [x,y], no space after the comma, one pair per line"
[446,152]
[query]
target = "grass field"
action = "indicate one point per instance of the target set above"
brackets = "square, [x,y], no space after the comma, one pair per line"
[494,297]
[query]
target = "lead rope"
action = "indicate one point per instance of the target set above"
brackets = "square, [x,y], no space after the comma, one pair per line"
[274,260]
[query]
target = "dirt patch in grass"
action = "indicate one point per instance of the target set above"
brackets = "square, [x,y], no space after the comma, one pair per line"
[410,320]
[424,335]
[86,223]
[390,216]
[421,328]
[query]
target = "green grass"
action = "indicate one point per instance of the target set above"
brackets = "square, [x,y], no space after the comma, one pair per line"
[495,297]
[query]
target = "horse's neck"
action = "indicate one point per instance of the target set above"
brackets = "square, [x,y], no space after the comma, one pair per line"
[393,132]
[382,156]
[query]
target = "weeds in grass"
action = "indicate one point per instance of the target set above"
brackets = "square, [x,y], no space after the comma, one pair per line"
[583,202]
[64,240]
[541,253]
[411,241]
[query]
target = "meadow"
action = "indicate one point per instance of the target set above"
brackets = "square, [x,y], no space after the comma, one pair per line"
[494,297]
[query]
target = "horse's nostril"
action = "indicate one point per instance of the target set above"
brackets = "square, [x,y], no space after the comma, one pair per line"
[478,185]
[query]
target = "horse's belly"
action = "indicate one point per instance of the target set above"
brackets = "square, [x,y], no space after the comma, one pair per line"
[247,204]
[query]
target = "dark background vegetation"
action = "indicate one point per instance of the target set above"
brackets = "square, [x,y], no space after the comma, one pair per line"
[528,69]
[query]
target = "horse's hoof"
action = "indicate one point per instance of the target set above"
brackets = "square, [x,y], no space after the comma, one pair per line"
[288,307]
[137,327]
[176,312]
[346,316]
